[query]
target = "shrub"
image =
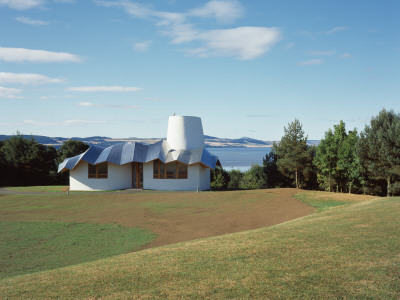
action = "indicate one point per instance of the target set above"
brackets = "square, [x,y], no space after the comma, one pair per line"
[254,178]
[235,177]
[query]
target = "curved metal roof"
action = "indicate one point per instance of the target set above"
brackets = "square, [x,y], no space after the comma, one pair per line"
[123,153]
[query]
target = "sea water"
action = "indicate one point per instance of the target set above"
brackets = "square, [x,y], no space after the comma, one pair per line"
[240,158]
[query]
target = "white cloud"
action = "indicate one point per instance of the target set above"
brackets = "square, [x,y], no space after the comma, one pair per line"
[242,42]
[345,55]
[142,47]
[181,32]
[310,62]
[90,89]
[224,11]
[32,22]
[26,78]
[37,56]
[89,104]
[21,4]
[321,53]
[134,9]
[245,42]
[9,93]
[86,104]
[73,122]
[334,30]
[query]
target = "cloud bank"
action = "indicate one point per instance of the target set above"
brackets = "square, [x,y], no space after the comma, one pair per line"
[9,93]
[21,4]
[32,22]
[244,43]
[26,78]
[36,56]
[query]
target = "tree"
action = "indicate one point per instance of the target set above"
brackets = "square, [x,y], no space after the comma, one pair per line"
[292,152]
[71,148]
[309,173]
[349,162]
[219,179]
[327,156]
[27,162]
[235,177]
[274,177]
[254,178]
[379,147]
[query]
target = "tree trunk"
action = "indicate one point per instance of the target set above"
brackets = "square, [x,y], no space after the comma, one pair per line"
[330,189]
[350,185]
[389,187]
[297,182]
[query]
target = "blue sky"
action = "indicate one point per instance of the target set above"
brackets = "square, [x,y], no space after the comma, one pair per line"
[247,68]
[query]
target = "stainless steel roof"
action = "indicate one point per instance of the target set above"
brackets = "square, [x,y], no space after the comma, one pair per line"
[123,153]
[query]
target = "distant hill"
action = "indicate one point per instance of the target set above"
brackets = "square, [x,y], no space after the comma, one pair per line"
[104,141]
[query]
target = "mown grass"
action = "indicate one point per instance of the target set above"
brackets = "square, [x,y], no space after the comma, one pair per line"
[28,247]
[39,189]
[326,200]
[351,252]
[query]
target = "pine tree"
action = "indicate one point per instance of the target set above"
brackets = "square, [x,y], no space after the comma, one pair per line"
[292,152]
[379,147]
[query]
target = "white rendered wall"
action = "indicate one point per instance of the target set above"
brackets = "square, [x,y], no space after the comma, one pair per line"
[204,178]
[185,132]
[196,178]
[119,177]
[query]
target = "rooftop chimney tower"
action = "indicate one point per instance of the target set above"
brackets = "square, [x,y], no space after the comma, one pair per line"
[185,132]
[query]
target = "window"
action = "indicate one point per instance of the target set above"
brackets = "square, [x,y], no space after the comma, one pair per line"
[98,171]
[173,170]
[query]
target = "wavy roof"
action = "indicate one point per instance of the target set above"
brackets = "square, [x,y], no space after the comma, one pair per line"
[123,153]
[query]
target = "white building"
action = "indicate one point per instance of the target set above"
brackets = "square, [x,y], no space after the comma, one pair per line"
[179,163]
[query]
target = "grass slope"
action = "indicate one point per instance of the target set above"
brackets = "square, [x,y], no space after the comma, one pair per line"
[350,252]
[28,247]
[326,200]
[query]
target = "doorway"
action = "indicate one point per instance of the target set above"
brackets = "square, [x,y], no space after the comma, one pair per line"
[137,175]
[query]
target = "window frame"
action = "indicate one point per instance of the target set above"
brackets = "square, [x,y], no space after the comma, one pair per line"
[97,174]
[160,170]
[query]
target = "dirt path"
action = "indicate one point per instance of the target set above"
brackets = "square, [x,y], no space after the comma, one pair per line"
[6,191]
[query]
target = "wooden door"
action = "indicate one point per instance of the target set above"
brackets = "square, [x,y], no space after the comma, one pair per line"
[137,175]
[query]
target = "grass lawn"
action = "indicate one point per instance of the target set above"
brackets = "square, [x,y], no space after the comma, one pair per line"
[173,216]
[28,247]
[349,252]
[325,200]
[40,189]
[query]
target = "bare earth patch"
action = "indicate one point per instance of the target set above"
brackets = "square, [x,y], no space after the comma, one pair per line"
[269,207]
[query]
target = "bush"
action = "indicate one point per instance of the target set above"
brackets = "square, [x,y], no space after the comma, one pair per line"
[254,178]
[219,179]
[235,177]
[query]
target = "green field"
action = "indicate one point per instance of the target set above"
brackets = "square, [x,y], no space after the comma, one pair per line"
[351,252]
[40,189]
[28,247]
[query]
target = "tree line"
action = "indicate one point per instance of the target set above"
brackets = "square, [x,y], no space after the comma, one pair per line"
[25,162]
[345,161]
